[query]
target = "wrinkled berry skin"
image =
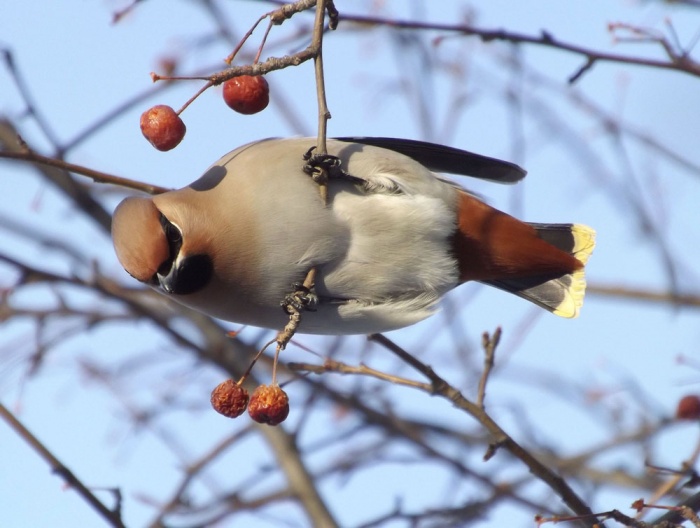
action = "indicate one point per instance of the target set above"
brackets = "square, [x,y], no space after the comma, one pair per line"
[269,404]
[162,127]
[229,399]
[247,94]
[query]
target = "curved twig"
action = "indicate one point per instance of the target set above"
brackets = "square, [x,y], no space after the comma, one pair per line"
[501,439]
[96,176]
[113,517]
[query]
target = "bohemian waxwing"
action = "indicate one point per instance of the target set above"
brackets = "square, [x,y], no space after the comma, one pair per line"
[393,238]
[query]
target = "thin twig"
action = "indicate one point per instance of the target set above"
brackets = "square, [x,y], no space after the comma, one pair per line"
[255,360]
[677,62]
[489,344]
[61,179]
[96,176]
[229,59]
[121,13]
[616,515]
[323,113]
[407,358]
[675,516]
[263,41]
[112,517]
[197,94]
[277,17]
[323,116]
[686,300]
[32,107]
[261,68]
[331,365]
[501,439]
[670,484]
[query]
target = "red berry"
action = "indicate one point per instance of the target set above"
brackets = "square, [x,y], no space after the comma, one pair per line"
[229,399]
[247,94]
[688,408]
[162,127]
[269,404]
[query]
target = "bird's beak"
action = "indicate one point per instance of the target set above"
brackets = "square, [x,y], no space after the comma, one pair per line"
[166,282]
[186,275]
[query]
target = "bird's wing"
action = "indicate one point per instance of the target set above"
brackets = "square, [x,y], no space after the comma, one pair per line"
[440,158]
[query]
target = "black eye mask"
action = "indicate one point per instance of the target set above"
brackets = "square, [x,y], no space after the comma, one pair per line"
[174,238]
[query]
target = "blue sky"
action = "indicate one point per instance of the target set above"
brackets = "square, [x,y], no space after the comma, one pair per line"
[78,66]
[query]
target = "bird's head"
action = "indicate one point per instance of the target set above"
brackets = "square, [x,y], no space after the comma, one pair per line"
[153,248]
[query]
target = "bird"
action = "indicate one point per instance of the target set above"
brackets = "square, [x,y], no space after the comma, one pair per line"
[391,239]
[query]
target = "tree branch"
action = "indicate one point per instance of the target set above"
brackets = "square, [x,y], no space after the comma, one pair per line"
[686,300]
[112,517]
[678,62]
[96,176]
[501,439]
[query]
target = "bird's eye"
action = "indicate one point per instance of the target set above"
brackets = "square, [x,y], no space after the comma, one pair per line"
[174,239]
[172,233]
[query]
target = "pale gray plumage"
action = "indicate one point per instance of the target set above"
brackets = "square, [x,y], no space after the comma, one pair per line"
[265,225]
[256,223]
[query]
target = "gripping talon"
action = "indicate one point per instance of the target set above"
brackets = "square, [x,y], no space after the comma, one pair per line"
[323,166]
[301,299]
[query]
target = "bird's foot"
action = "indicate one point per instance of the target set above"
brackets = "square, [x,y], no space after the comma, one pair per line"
[322,167]
[300,299]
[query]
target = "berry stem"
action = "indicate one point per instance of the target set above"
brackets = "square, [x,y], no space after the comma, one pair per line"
[208,85]
[274,364]
[262,43]
[228,60]
[255,360]
[156,77]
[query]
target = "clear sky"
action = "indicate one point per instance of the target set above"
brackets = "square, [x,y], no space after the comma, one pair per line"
[79,66]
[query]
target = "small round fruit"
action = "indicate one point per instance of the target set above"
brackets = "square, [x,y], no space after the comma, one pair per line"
[247,94]
[688,408]
[269,404]
[162,127]
[229,399]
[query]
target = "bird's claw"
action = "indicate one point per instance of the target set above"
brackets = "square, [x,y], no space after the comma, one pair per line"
[300,299]
[321,167]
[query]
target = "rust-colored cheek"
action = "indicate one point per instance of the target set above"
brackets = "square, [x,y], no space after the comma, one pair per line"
[138,238]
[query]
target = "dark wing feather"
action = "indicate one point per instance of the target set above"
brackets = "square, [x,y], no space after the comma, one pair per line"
[440,158]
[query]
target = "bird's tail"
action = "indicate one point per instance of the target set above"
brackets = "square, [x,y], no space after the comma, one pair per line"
[557,293]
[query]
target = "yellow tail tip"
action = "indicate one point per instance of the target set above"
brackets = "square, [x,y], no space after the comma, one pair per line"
[584,243]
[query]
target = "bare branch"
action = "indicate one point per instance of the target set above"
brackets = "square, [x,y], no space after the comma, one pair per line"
[96,176]
[489,343]
[338,367]
[113,518]
[501,439]
[60,178]
[686,300]
[677,62]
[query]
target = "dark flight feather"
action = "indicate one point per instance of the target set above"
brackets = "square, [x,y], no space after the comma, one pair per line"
[440,158]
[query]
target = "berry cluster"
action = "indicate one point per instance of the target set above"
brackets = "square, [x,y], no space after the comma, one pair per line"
[164,128]
[269,404]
